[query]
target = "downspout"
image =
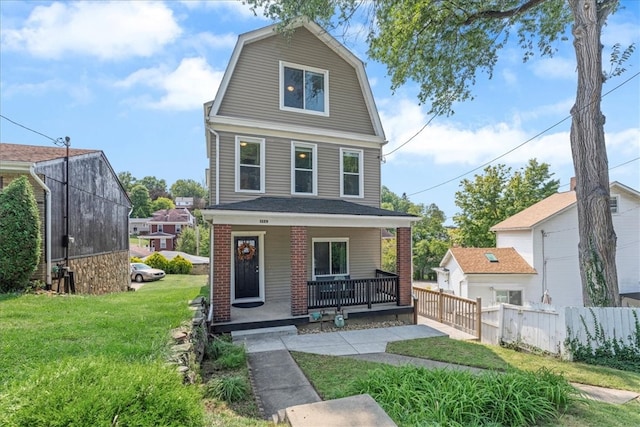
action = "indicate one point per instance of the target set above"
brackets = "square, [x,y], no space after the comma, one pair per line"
[211,271]
[217,164]
[544,265]
[47,209]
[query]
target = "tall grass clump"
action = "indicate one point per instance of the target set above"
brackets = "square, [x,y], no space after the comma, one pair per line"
[101,392]
[418,396]
[226,355]
[230,389]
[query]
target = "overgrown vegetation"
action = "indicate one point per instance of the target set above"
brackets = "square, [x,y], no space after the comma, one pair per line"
[20,238]
[419,396]
[157,260]
[603,350]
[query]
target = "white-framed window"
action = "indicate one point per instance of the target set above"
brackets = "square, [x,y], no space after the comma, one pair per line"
[330,257]
[304,89]
[509,297]
[304,168]
[163,243]
[613,204]
[160,228]
[351,173]
[250,164]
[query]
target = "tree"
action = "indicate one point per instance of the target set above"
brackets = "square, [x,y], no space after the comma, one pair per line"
[443,45]
[127,180]
[141,202]
[20,237]
[156,187]
[188,188]
[497,195]
[187,241]
[162,203]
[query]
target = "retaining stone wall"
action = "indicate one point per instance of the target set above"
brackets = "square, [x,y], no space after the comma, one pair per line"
[100,274]
[190,341]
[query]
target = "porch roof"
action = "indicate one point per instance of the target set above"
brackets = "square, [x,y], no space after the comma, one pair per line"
[287,211]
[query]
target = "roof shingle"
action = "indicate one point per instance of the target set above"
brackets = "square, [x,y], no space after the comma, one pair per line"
[37,153]
[537,212]
[475,261]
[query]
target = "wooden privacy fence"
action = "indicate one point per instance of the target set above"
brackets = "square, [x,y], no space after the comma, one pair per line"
[461,313]
[546,329]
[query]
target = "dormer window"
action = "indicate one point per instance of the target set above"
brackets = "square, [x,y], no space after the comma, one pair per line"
[304,89]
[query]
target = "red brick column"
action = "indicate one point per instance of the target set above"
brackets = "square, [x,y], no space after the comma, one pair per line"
[298,271]
[403,263]
[221,273]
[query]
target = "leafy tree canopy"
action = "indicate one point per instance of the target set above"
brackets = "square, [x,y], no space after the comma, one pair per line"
[127,180]
[162,203]
[188,188]
[156,187]
[496,195]
[141,202]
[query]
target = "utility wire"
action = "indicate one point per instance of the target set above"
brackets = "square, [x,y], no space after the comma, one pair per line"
[59,141]
[524,143]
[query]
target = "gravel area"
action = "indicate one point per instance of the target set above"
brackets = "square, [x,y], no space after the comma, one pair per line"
[329,326]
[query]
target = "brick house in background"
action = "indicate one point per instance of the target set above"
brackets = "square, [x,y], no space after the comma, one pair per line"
[165,226]
[295,182]
[96,244]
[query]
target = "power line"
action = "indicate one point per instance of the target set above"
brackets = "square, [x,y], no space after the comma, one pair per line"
[611,168]
[59,141]
[525,142]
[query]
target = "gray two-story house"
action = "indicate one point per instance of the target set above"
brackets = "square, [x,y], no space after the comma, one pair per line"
[295,143]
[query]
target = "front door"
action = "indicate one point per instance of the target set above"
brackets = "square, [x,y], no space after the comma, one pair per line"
[247,267]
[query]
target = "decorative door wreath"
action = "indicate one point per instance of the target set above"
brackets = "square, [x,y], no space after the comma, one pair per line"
[246,251]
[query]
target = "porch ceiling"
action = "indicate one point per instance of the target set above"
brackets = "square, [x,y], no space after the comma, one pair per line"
[310,212]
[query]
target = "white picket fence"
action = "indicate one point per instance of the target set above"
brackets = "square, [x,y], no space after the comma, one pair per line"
[546,329]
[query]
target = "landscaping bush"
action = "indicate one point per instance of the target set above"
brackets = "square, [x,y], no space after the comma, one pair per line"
[20,238]
[157,260]
[419,396]
[229,389]
[180,265]
[102,392]
[226,355]
[135,259]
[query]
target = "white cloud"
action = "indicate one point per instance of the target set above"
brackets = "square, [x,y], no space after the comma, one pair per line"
[555,68]
[450,143]
[624,33]
[626,141]
[187,87]
[230,10]
[107,30]
[510,78]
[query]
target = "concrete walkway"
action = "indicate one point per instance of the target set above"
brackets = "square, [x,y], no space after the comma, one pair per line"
[282,389]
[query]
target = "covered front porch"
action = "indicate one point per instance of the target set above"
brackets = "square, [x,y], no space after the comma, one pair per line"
[278,262]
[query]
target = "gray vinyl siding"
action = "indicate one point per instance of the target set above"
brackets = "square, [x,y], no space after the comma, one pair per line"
[278,171]
[364,255]
[253,90]
[365,249]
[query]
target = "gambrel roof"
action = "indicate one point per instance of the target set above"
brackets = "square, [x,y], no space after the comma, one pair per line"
[327,39]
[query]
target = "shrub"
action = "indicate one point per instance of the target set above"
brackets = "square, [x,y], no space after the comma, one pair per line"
[135,259]
[20,238]
[157,260]
[229,389]
[180,265]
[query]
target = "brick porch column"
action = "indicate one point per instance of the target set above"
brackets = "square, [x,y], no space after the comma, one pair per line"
[403,263]
[222,273]
[298,271]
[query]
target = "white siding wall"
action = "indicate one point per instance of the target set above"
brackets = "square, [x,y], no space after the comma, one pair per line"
[480,287]
[627,226]
[520,240]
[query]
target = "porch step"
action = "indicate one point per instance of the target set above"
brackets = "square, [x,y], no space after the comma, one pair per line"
[274,332]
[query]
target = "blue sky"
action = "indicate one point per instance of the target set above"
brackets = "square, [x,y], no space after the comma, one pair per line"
[130,78]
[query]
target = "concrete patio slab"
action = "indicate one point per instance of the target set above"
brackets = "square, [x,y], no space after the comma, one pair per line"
[354,411]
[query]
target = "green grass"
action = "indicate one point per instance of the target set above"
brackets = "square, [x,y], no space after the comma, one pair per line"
[100,360]
[494,357]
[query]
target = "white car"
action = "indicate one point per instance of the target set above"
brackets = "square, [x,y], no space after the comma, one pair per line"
[143,273]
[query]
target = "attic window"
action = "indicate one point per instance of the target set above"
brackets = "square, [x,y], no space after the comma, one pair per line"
[491,257]
[304,89]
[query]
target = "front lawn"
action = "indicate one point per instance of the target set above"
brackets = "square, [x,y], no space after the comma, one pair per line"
[100,360]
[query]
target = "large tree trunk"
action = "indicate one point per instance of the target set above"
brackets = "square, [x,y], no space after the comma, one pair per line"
[597,247]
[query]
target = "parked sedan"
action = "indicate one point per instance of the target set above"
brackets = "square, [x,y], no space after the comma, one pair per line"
[143,273]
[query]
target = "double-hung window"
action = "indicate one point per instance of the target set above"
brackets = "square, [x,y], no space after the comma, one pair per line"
[330,257]
[249,164]
[304,89]
[304,168]
[613,204]
[351,173]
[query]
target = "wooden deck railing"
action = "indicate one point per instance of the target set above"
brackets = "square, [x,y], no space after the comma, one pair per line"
[341,293]
[461,313]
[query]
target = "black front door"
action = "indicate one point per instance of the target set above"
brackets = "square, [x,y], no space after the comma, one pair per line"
[247,267]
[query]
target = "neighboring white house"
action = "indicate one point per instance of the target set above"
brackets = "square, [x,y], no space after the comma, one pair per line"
[138,226]
[546,236]
[496,275]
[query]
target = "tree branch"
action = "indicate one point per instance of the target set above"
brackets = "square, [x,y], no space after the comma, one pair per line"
[498,14]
